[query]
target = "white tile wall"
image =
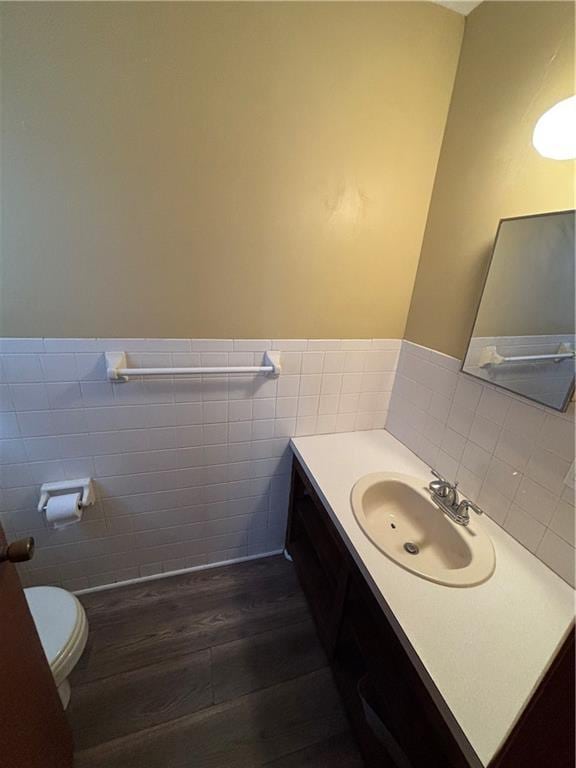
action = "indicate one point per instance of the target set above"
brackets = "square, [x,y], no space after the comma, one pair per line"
[187,471]
[508,454]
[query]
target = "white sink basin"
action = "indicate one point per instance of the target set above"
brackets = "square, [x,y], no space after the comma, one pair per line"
[396,510]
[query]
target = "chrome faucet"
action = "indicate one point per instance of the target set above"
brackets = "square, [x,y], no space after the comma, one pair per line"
[444,490]
[445,495]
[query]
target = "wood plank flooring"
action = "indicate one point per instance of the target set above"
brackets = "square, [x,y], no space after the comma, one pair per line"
[215,669]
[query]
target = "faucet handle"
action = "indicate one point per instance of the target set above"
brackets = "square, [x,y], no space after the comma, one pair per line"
[476,508]
[443,489]
[466,504]
[443,479]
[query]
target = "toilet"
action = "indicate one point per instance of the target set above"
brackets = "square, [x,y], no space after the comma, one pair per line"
[63,630]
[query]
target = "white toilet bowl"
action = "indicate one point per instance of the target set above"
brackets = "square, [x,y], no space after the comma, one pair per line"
[63,630]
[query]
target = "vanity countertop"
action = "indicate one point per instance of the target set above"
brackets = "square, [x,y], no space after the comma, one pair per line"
[485,648]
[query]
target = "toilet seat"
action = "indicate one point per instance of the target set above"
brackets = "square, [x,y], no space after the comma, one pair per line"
[62,627]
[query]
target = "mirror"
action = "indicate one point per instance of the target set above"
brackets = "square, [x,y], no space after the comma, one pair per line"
[523,337]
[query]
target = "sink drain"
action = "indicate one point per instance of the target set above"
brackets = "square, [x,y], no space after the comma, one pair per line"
[411,548]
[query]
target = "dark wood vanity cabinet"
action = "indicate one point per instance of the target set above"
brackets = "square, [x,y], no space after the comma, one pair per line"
[394,717]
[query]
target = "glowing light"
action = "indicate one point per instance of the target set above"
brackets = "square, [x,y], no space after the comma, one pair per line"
[555,132]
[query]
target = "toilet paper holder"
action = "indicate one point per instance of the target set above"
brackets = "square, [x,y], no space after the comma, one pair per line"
[53,489]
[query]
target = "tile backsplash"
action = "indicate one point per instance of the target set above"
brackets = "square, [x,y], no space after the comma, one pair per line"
[509,455]
[188,471]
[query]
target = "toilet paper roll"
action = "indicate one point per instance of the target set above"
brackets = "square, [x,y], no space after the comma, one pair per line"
[63,510]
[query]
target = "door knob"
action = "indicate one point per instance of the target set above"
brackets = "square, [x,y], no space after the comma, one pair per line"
[18,552]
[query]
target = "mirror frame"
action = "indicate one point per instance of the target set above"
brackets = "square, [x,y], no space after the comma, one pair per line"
[570,394]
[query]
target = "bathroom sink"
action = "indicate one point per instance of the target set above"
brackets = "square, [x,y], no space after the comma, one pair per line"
[397,514]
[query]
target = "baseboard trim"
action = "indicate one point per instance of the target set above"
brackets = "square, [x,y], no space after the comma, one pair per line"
[155,576]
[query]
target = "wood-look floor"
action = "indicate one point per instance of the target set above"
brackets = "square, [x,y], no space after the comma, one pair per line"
[216,669]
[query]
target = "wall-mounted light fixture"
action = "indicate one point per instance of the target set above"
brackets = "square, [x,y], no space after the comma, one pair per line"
[555,132]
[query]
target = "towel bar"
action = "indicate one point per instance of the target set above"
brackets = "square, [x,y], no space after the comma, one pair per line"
[118,370]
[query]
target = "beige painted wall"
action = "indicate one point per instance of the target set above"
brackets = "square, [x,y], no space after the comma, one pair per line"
[218,169]
[517,60]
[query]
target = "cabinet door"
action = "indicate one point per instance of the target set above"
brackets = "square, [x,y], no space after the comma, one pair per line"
[379,746]
[377,716]
[318,556]
[395,694]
